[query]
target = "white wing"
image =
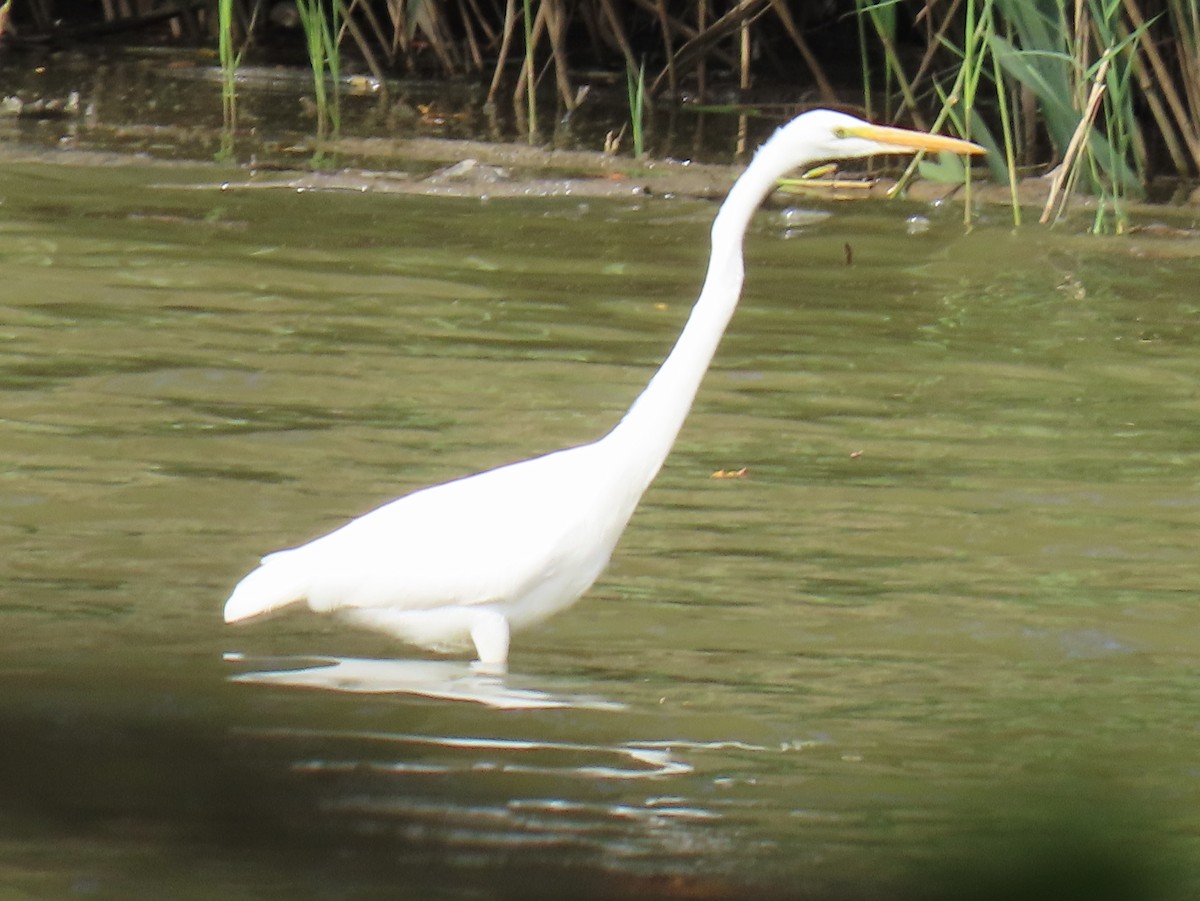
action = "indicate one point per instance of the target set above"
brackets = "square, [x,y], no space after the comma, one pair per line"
[529,537]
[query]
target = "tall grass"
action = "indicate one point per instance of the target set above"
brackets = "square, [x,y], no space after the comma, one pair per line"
[1099,92]
[1027,73]
[881,15]
[636,90]
[230,60]
[321,26]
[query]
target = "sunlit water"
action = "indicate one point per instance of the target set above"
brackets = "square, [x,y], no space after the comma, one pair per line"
[945,623]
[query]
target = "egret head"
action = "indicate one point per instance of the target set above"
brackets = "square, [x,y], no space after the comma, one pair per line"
[827,135]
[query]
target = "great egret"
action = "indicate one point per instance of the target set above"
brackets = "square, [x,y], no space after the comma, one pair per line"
[465,562]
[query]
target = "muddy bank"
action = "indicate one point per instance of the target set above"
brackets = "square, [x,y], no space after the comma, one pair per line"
[164,110]
[467,168]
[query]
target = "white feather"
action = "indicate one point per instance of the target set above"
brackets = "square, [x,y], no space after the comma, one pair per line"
[464,562]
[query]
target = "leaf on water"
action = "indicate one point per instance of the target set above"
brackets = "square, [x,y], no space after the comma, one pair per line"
[431,115]
[731,473]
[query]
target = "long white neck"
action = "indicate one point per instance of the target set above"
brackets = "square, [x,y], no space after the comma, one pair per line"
[647,432]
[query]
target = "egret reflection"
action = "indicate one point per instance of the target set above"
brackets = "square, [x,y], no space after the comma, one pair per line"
[446,680]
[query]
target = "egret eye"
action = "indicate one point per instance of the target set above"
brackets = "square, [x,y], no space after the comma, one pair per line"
[840,133]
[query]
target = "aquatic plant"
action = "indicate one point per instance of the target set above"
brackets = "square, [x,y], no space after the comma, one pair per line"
[636,89]
[1079,73]
[550,21]
[321,27]
[1015,74]
[1051,86]
[1110,88]
[230,61]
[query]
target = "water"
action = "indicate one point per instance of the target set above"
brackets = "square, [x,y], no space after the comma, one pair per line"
[166,103]
[941,640]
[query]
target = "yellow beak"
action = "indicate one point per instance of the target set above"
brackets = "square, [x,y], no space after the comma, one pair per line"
[906,141]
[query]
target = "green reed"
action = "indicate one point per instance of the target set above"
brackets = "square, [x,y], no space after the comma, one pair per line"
[636,90]
[321,26]
[230,59]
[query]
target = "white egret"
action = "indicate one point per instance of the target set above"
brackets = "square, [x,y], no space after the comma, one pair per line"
[466,562]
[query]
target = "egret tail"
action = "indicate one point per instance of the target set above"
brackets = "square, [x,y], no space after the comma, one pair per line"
[273,585]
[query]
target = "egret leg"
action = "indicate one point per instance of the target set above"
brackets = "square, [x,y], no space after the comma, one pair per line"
[489,631]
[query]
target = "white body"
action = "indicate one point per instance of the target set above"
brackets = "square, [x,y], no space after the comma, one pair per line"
[463,563]
[535,544]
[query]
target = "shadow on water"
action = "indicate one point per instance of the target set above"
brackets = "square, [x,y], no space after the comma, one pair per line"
[125,798]
[125,793]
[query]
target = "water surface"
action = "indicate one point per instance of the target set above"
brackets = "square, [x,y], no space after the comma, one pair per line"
[946,621]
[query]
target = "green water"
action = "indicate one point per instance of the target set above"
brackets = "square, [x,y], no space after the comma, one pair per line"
[942,640]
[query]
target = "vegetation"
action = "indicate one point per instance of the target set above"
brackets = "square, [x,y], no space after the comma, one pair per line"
[319,19]
[230,60]
[636,90]
[1100,93]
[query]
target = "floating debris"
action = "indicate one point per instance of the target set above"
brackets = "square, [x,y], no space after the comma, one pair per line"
[42,108]
[731,473]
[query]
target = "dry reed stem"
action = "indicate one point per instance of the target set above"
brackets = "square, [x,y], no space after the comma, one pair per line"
[743,51]
[1077,139]
[360,39]
[673,23]
[1080,29]
[828,94]
[1182,121]
[664,27]
[555,28]
[1162,118]
[396,19]
[481,20]
[510,25]
[725,26]
[430,23]
[614,23]
[892,58]
[527,80]
[469,36]
[934,43]
[1189,62]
